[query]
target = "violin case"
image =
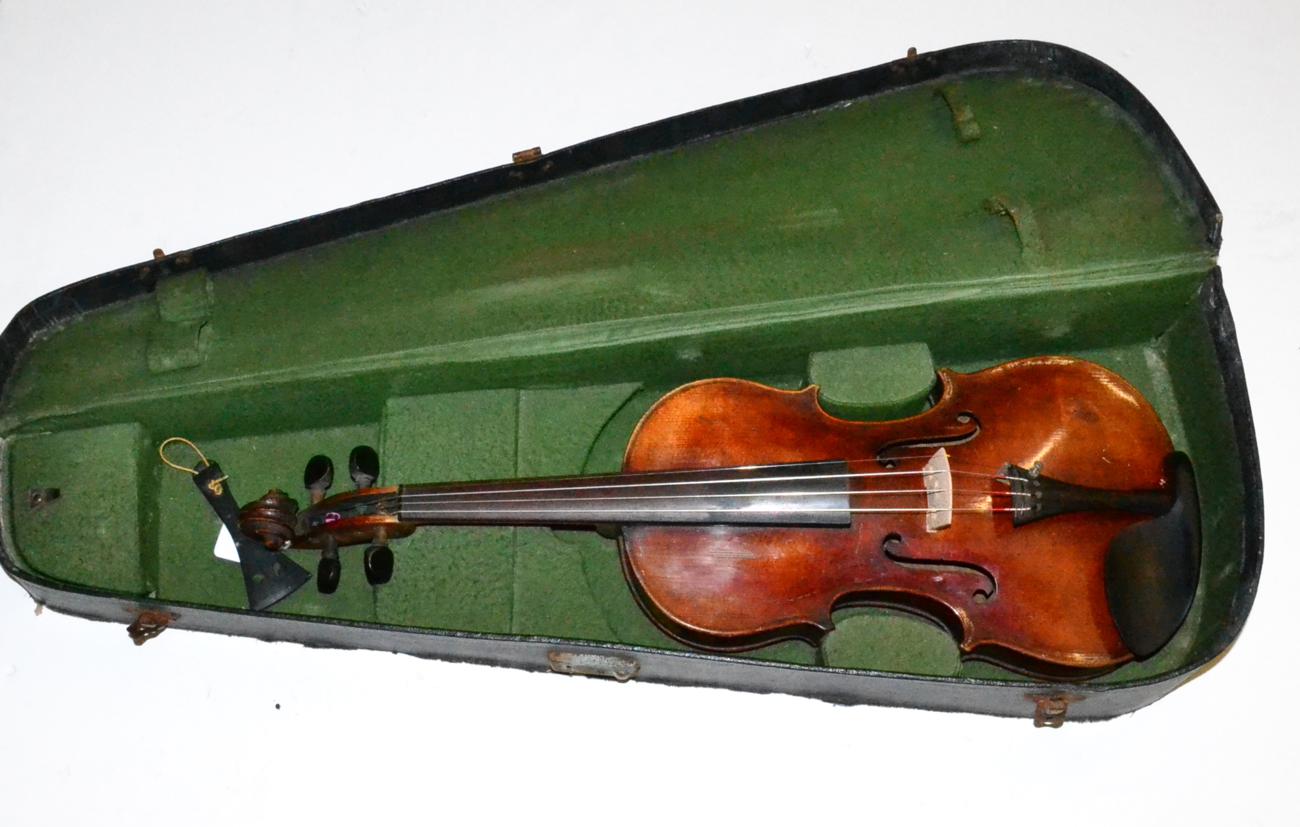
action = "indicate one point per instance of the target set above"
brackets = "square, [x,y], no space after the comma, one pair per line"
[956,209]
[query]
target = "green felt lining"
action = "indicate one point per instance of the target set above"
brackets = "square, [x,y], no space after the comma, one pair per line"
[856,248]
[874,383]
[95,531]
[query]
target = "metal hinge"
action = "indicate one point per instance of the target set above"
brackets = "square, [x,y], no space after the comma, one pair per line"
[619,667]
[148,625]
[1050,710]
[526,156]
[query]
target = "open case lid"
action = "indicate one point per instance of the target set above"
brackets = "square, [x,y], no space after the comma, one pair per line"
[991,200]
[1029,170]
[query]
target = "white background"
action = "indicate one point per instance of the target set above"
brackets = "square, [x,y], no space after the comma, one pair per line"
[129,126]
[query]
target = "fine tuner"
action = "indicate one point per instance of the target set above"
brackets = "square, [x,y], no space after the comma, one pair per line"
[1037,511]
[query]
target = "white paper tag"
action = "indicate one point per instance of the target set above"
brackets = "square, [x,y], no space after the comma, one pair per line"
[225,547]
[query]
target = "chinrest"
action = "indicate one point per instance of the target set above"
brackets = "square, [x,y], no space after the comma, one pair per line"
[1152,568]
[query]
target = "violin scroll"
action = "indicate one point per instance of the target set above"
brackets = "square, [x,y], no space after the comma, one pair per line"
[358,517]
[271,520]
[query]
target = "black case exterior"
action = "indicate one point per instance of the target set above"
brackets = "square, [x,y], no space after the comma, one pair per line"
[1046,702]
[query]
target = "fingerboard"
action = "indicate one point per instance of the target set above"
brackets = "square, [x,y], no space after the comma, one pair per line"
[795,494]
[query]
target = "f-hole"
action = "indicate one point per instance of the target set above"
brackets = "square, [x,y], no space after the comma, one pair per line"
[967,427]
[893,544]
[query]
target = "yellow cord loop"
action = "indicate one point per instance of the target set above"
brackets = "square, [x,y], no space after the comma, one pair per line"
[162,454]
[214,486]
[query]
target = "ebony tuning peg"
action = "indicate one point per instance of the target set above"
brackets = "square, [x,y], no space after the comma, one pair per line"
[379,565]
[328,570]
[318,476]
[363,466]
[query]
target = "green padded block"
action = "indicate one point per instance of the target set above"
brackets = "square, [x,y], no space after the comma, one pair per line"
[93,532]
[451,578]
[188,529]
[873,383]
[888,641]
[557,428]
[549,599]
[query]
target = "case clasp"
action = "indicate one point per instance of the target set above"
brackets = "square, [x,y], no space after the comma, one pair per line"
[148,625]
[1050,710]
[619,667]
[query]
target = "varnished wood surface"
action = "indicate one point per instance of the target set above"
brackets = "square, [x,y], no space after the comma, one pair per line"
[1030,597]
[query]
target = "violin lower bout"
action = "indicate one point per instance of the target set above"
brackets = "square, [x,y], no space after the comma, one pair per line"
[729,588]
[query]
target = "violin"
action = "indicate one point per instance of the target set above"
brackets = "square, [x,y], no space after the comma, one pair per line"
[1036,510]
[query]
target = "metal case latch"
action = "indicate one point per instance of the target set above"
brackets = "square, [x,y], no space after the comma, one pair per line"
[1050,710]
[148,625]
[619,667]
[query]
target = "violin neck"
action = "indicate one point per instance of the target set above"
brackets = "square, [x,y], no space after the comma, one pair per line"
[730,496]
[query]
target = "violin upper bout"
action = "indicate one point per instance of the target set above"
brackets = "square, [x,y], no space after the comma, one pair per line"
[717,423]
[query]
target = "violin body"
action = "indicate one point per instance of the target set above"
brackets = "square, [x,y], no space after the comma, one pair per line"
[1057,534]
[1033,593]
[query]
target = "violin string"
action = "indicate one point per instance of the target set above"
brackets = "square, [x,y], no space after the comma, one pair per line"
[443,512]
[774,494]
[425,496]
[443,509]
